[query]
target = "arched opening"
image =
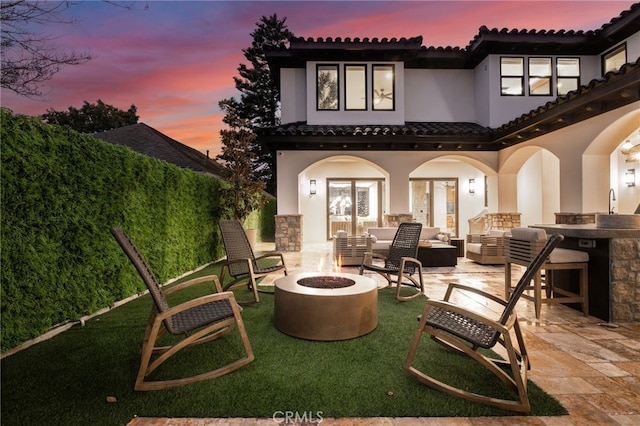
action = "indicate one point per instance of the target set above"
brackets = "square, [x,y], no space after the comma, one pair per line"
[447,191]
[531,177]
[350,195]
[608,164]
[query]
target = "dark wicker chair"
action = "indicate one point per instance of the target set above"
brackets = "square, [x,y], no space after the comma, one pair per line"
[400,261]
[241,263]
[465,331]
[199,320]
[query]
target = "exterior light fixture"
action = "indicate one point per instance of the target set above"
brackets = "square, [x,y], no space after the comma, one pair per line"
[630,177]
[472,186]
[312,187]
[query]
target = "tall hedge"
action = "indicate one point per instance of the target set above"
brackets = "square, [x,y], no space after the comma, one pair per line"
[61,192]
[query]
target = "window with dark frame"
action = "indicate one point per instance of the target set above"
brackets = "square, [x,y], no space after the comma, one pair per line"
[511,76]
[540,77]
[568,75]
[355,87]
[327,85]
[614,59]
[383,98]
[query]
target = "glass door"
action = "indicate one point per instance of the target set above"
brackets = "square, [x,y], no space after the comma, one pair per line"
[354,205]
[434,202]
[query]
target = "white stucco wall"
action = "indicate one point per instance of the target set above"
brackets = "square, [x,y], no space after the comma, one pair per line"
[482,90]
[293,94]
[439,95]
[538,183]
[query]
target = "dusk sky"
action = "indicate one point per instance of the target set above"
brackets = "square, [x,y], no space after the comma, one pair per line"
[175,60]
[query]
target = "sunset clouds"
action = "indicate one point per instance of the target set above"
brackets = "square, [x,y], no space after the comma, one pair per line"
[175,60]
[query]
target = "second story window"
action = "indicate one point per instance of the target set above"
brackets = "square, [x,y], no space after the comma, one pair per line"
[355,87]
[614,59]
[568,72]
[540,76]
[512,76]
[383,87]
[327,87]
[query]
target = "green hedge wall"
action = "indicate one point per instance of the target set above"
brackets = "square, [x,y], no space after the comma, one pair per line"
[61,192]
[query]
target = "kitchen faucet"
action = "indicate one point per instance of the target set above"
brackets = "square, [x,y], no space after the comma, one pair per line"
[611,191]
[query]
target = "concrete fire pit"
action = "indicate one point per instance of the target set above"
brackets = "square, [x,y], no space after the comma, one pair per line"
[326,305]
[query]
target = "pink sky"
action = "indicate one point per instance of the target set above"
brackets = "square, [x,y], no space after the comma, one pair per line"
[175,60]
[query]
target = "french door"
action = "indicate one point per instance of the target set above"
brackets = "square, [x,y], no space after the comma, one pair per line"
[434,202]
[353,205]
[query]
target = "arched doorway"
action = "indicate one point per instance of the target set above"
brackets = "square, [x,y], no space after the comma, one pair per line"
[351,195]
[447,191]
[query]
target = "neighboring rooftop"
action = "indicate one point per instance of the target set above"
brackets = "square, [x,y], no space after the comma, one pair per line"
[148,141]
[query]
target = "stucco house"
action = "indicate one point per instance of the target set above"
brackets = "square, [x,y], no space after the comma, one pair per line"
[536,122]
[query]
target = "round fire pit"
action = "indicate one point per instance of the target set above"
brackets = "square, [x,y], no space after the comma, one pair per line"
[326,305]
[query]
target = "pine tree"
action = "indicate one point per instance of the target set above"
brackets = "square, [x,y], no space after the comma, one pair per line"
[260,99]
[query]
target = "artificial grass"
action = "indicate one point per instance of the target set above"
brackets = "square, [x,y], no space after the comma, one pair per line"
[68,378]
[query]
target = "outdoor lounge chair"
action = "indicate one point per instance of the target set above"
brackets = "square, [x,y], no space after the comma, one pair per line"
[465,331]
[241,263]
[198,320]
[400,261]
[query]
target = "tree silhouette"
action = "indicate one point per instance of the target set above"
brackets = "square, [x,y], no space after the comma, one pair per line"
[259,96]
[92,118]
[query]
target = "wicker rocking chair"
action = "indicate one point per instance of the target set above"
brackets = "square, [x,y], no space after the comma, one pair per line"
[401,260]
[200,320]
[241,263]
[464,331]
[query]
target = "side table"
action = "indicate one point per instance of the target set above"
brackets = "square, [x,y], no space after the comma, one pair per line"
[459,244]
[438,255]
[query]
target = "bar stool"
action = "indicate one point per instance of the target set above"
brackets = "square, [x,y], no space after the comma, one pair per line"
[522,246]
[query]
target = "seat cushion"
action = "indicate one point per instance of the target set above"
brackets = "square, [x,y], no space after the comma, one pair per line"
[560,255]
[529,234]
[474,248]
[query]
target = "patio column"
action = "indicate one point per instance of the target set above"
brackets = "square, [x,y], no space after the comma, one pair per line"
[289,232]
[398,190]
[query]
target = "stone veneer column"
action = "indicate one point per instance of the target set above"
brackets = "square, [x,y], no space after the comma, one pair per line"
[289,232]
[502,221]
[625,279]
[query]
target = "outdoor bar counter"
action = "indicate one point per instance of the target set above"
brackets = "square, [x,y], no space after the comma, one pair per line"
[614,268]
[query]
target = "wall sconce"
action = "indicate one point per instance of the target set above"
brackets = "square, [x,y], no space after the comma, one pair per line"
[472,186]
[312,187]
[630,177]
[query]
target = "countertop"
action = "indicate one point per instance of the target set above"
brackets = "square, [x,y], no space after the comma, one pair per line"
[588,231]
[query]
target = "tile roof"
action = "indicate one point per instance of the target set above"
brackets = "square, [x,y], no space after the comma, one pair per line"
[487,41]
[148,141]
[408,128]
